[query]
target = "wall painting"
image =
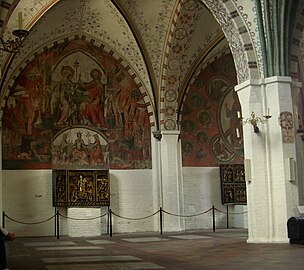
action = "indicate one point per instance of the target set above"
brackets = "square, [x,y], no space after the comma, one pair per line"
[75,85]
[209,118]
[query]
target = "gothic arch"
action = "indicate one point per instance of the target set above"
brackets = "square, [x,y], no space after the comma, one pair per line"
[237,32]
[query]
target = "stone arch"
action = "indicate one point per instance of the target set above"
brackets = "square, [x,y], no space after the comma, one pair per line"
[168,95]
[235,28]
[297,46]
[236,31]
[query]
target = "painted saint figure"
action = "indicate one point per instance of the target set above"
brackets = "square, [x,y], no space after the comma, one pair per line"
[82,186]
[80,153]
[96,151]
[94,106]
[65,91]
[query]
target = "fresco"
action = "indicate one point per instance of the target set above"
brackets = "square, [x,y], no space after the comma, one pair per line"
[209,118]
[75,85]
[80,147]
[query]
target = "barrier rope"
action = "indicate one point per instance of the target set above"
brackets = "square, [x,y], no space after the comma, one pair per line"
[82,218]
[127,218]
[224,212]
[29,223]
[194,215]
[135,218]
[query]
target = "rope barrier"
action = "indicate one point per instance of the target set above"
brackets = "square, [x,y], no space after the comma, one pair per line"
[109,213]
[229,212]
[194,215]
[136,218]
[128,218]
[82,218]
[30,223]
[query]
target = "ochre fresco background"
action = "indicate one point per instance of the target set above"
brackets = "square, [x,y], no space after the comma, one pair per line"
[65,90]
[209,118]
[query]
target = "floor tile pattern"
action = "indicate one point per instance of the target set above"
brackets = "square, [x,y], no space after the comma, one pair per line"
[193,250]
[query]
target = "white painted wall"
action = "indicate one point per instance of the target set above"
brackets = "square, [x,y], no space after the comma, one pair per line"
[85,222]
[27,197]
[202,190]
[132,197]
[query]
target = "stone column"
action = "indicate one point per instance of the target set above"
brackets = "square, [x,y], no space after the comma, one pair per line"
[172,191]
[272,197]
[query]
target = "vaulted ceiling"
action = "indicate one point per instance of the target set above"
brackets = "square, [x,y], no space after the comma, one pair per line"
[155,38]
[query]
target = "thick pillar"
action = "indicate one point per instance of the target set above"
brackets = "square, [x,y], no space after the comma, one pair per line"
[172,191]
[272,196]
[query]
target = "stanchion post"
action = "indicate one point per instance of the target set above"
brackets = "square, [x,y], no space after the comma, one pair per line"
[161,220]
[55,228]
[57,231]
[110,220]
[213,218]
[3,219]
[227,217]
[108,231]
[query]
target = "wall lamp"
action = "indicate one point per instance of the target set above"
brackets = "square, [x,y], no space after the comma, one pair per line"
[13,45]
[253,120]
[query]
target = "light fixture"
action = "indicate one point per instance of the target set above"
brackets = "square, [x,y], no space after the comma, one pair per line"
[13,45]
[253,120]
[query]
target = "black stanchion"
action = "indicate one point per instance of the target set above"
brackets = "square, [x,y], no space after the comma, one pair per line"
[227,217]
[110,221]
[3,219]
[108,231]
[213,218]
[57,223]
[161,220]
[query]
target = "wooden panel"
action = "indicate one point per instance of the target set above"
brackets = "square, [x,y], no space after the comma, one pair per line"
[233,184]
[81,188]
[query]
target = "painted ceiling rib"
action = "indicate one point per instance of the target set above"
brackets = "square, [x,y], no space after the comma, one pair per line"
[144,52]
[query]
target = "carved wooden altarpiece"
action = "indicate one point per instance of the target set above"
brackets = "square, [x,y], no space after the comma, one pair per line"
[233,184]
[81,188]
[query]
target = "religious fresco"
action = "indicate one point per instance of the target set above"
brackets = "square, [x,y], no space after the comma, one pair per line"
[80,147]
[210,129]
[75,85]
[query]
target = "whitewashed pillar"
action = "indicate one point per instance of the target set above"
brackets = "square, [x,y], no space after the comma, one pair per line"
[271,197]
[172,192]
